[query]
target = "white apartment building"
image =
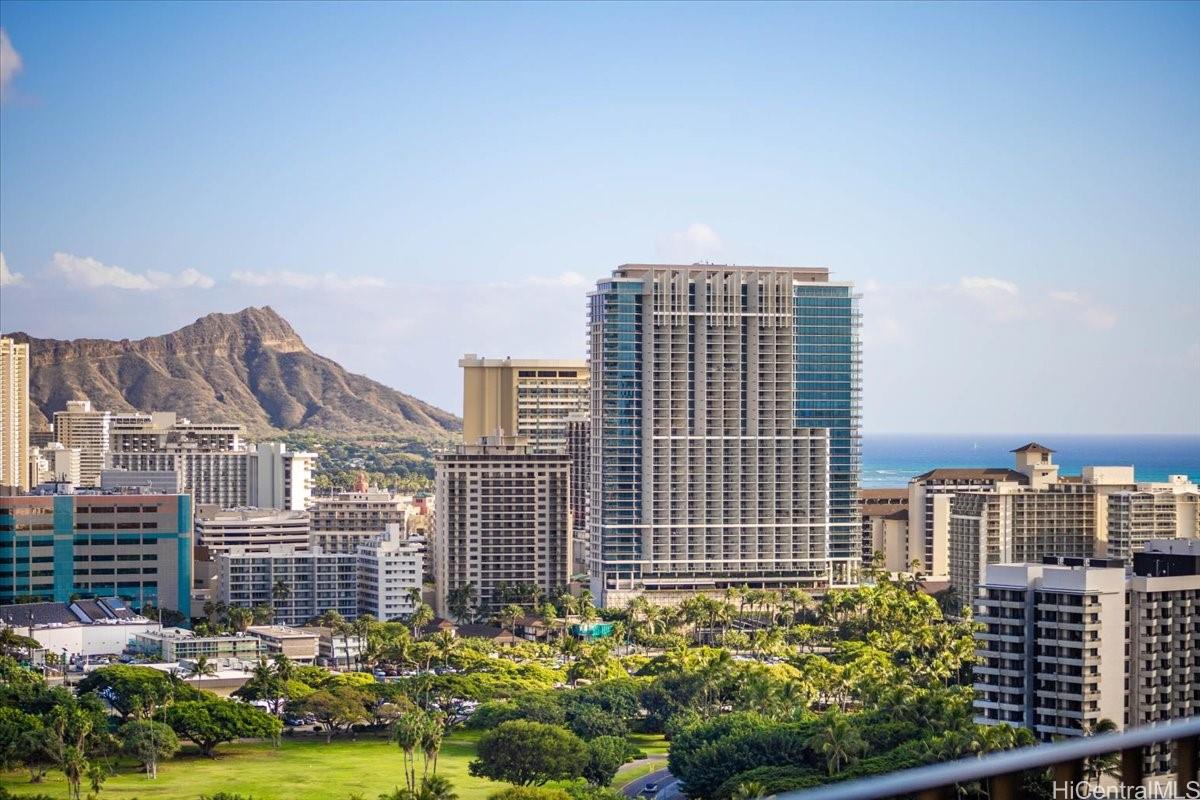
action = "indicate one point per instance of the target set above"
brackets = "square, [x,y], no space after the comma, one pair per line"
[1052,652]
[502,518]
[90,430]
[62,464]
[299,584]
[390,568]
[253,530]
[14,414]
[1165,510]
[1066,645]
[283,479]
[213,461]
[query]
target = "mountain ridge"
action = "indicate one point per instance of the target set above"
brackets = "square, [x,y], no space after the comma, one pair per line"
[249,367]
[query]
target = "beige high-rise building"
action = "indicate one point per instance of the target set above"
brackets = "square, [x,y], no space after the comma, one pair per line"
[502,520]
[14,415]
[84,427]
[522,397]
[1166,510]
[885,529]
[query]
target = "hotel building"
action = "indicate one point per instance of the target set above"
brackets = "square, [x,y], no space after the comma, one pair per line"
[522,397]
[502,518]
[84,427]
[1070,642]
[724,430]
[135,547]
[14,416]
[579,450]
[253,530]
[315,582]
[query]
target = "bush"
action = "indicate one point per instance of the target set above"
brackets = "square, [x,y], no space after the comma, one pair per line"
[529,793]
[773,780]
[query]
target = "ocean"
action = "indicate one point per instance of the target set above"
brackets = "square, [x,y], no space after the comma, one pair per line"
[890,459]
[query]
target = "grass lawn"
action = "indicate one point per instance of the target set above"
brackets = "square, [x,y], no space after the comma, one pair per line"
[300,769]
[652,744]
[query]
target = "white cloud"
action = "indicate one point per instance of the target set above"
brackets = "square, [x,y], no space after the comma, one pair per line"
[303,280]
[9,278]
[1089,312]
[569,280]
[999,297]
[981,287]
[698,242]
[89,273]
[10,61]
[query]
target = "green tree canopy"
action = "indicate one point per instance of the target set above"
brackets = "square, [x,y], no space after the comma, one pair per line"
[529,753]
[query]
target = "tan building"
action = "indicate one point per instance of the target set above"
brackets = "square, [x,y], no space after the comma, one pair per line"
[522,397]
[343,522]
[929,498]
[502,518]
[1166,510]
[14,415]
[84,427]
[885,529]
[297,644]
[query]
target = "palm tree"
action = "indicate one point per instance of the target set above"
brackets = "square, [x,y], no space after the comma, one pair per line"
[1108,764]
[437,787]
[422,615]
[461,600]
[407,733]
[837,740]
[750,790]
[445,644]
[508,617]
[202,668]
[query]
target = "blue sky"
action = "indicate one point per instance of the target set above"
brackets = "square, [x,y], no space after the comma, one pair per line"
[1013,186]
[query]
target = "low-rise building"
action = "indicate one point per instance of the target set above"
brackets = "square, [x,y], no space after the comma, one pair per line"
[83,628]
[180,644]
[298,644]
[336,649]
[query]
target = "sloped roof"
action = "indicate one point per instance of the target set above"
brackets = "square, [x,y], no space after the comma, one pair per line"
[1032,447]
[973,473]
[43,614]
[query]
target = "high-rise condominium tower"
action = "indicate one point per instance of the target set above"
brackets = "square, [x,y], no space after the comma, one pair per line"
[522,397]
[725,430]
[14,414]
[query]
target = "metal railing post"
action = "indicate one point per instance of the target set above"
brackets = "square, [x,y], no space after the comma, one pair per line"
[1133,766]
[1187,753]
[1005,787]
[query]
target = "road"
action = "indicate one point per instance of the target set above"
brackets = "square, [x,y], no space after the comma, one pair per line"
[668,786]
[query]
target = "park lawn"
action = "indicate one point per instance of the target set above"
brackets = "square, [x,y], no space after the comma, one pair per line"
[652,744]
[302,768]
